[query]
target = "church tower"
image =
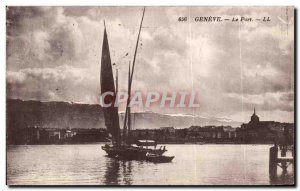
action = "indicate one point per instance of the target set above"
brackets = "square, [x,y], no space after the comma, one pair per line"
[254,118]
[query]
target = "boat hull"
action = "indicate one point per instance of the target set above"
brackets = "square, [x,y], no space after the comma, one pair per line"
[129,152]
[159,159]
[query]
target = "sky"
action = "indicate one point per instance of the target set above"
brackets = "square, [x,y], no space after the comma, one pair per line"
[54,54]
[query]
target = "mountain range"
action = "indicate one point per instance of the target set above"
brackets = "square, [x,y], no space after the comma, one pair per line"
[20,114]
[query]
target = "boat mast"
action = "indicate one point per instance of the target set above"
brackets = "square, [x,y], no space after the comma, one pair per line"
[117,81]
[129,110]
[125,127]
[127,123]
[136,47]
[131,75]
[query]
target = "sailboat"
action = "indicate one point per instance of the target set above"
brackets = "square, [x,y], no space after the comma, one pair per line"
[121,146]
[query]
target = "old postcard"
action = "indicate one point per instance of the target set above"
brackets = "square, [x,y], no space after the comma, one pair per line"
[150,95]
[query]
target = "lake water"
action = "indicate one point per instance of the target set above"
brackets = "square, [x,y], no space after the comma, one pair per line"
[192,165]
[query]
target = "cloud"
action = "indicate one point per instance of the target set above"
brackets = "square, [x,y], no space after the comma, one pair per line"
[51,84]
[268,101]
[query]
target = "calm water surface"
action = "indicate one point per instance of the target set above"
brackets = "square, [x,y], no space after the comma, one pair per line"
[88,164]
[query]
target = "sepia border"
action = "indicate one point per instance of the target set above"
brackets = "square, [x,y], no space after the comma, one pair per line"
[178,186]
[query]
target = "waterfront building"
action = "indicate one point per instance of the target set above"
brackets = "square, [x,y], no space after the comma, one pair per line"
[256,131]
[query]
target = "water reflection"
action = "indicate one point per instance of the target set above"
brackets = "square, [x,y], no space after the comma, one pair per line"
[118,172]
[197,165]
[127,169]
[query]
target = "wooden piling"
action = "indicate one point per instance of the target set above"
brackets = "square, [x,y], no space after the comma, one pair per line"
[273,161]
[284,162]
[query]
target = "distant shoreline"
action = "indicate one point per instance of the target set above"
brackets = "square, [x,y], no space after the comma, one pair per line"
[157,144]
